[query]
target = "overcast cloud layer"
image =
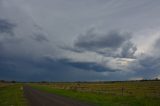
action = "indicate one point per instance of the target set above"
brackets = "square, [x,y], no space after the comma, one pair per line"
[79,40]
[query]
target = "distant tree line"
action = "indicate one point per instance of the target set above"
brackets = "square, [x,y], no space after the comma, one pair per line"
[78,82]
[6,81]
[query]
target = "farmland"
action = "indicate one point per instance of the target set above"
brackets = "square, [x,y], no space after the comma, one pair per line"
[11,95]
[136,93]
[127,93]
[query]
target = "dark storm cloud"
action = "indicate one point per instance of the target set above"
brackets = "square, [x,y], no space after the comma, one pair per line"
[27,40]
[92,40]
[152,61]
[6,27]
[28,69]
[147,67]
[128,50]
[46,68]
[73,49]
[1,46]
[6,34]
[157,45]
[88,66]
[40,37]
[111,44]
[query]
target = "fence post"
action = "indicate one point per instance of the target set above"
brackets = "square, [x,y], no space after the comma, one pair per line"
[122,91]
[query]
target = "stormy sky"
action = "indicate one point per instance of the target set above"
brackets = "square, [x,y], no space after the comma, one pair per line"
[79,40]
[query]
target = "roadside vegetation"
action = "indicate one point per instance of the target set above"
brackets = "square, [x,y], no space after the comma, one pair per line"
[11,95]
[135,93]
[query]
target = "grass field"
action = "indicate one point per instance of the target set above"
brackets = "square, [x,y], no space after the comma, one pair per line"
[12,95]
[136,93]
[146,93]
[3,84]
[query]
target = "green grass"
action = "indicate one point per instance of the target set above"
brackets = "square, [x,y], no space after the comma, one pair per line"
[12,95]
[100,99]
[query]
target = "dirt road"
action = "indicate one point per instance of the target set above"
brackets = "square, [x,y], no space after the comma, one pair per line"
[40,98]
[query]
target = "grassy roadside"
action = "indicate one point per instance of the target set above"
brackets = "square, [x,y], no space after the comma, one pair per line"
[12,95]
[103,100]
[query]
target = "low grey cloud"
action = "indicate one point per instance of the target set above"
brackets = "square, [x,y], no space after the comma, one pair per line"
[6,33]
[92,40]
[156,47]
[39,34]
[40,37]
[88,66]
[128,50]
[147,65]
[6,27]
[110,44]
[28,39]
[49,69]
